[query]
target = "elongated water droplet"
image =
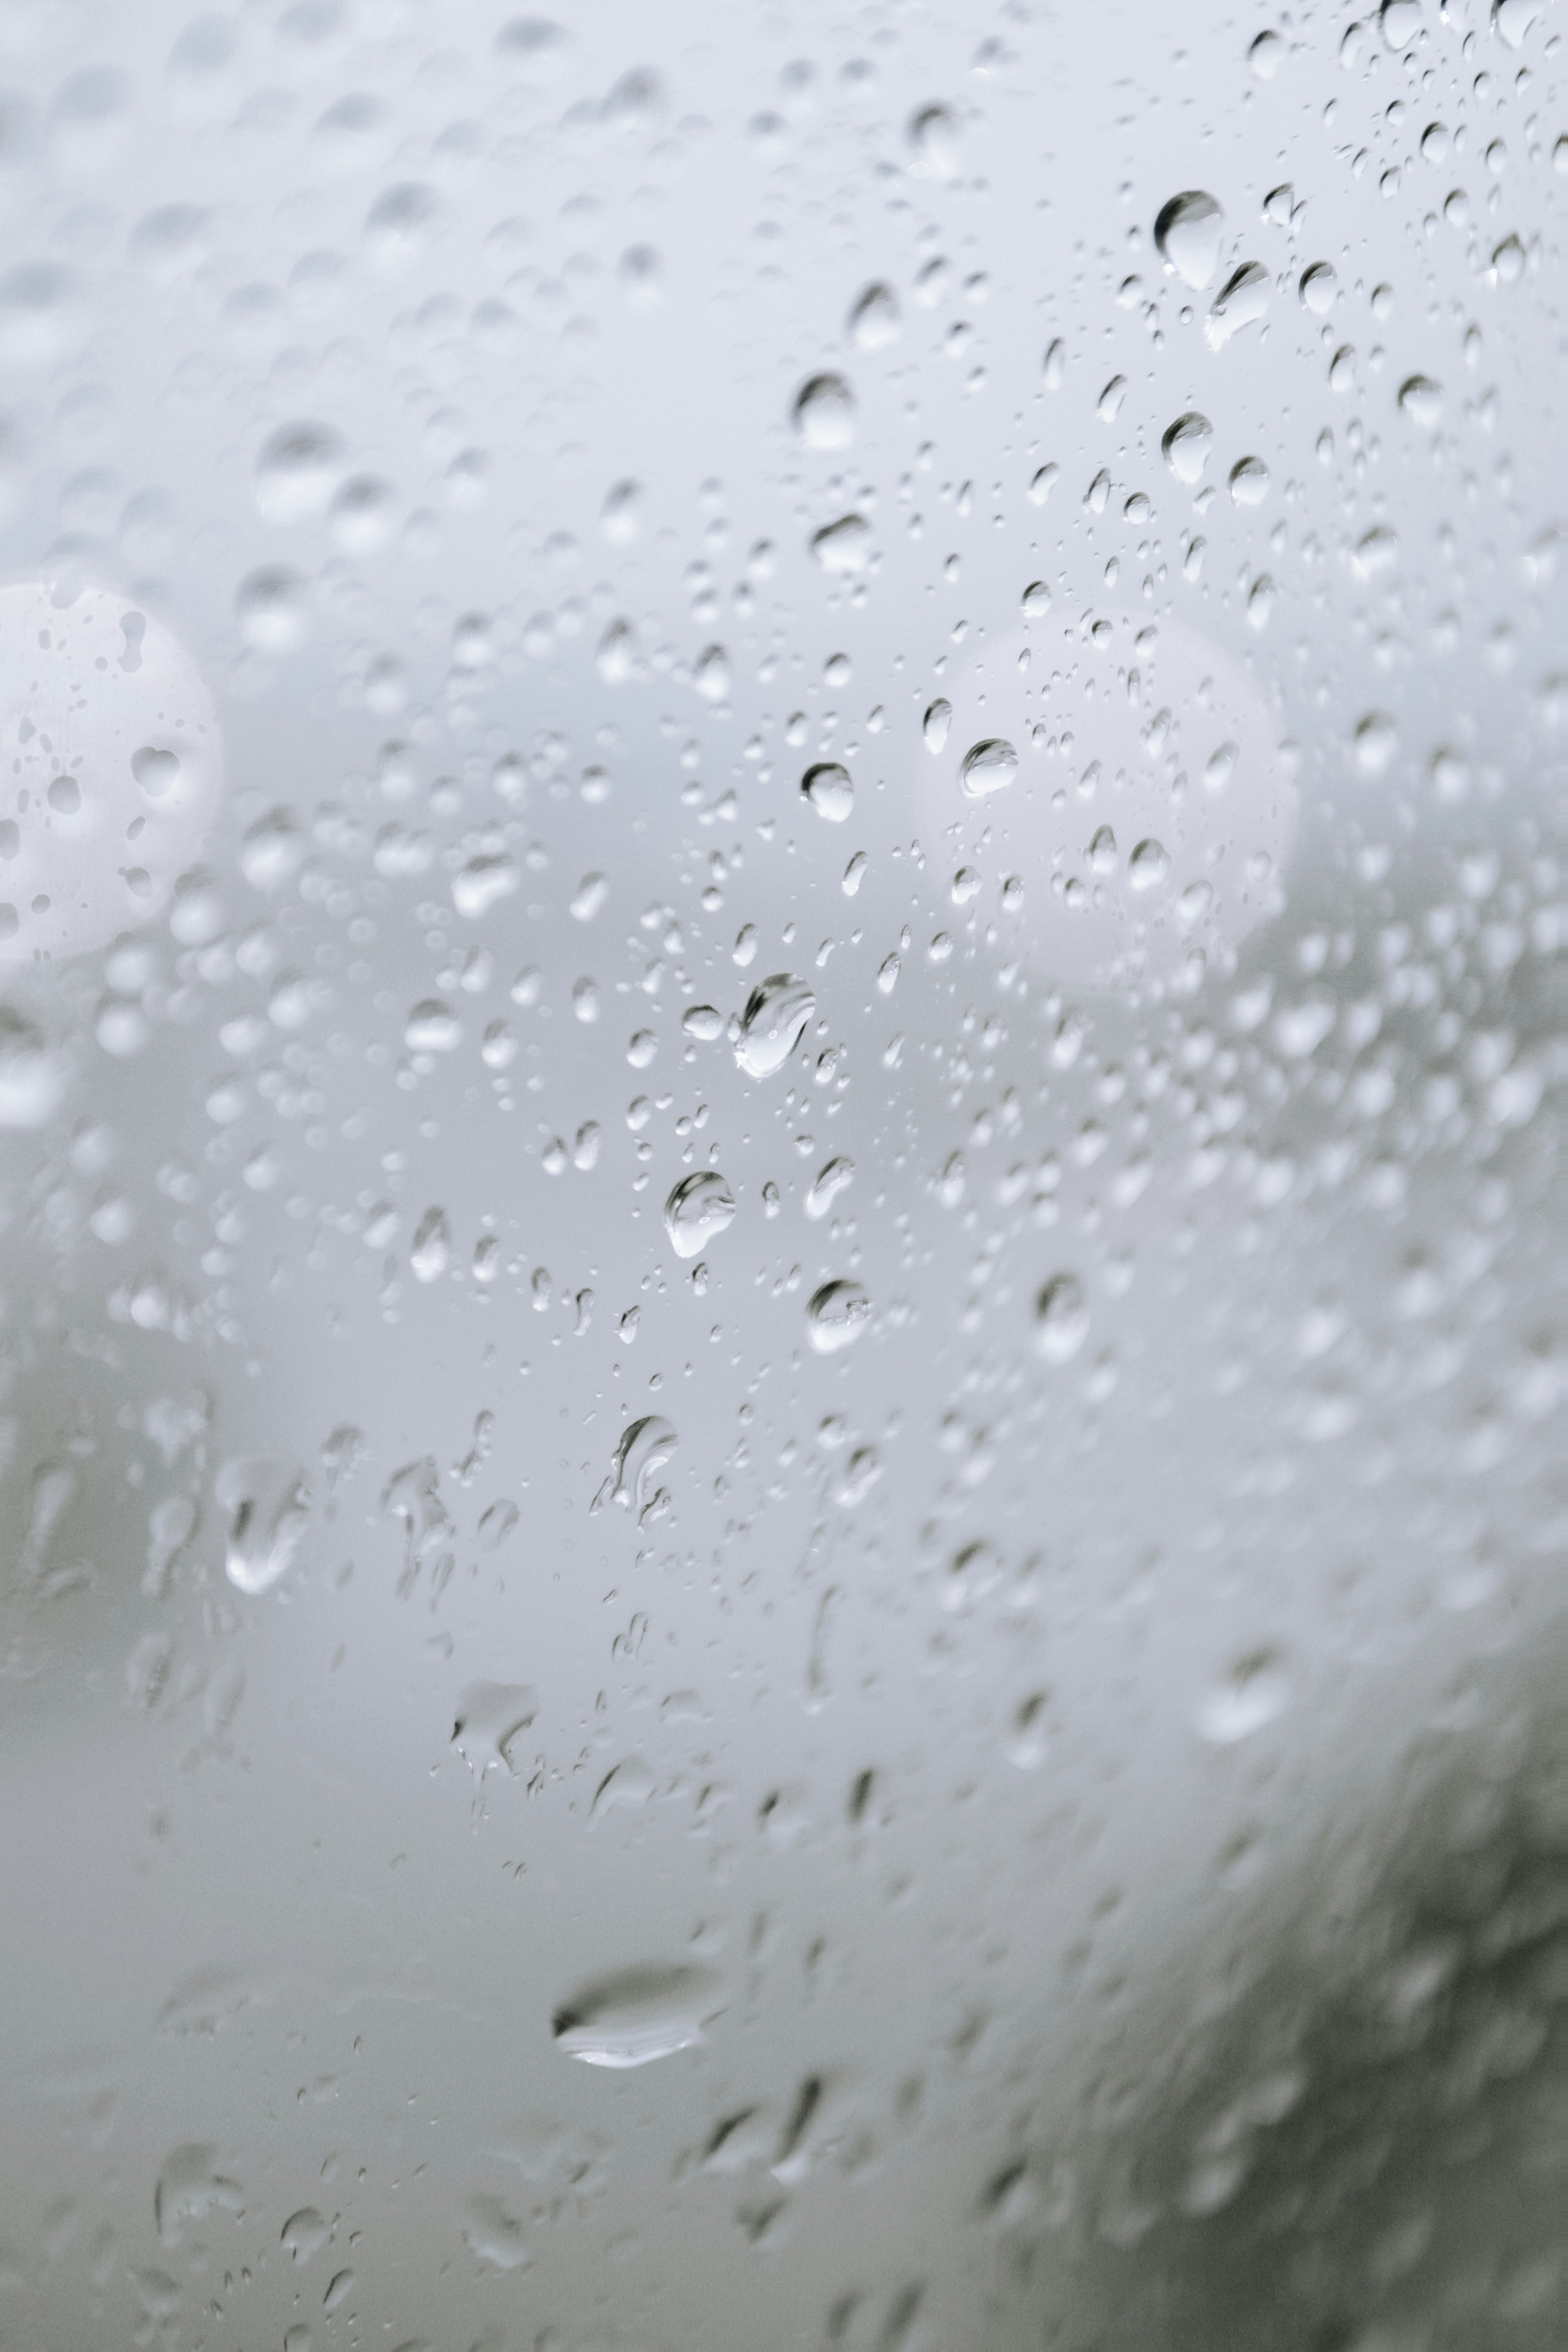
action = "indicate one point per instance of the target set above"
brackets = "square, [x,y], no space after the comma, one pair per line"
[828,1183]
[935,725]
[636,2016]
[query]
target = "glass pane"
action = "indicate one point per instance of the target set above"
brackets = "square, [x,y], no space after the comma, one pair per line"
[780,889]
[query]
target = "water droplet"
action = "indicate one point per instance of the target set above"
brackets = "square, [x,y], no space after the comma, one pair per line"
[1421,400]
[824,412]
[777,1014]
[272,609]
[1508,261]
[1036,599]
[636,2016]
[1148,865]
[1061,1319]
[190,2187]
[305,2233]
[1251,1693]
[700,1206]
[644,1448]
[1375,742]
[298,472]
[1187,234]
[1240,302]
[703,1022]
[935,724]
[269,1502]
[1220,766]
[933,135]
[1320,284]
[1400,21]
[33,1075]
[827,1186]
[836,1315]
[874,320]
[1185,446]
[155,769]
[1249,481]
[1265,56]
[829,789]
[489,1717]
[710,676]
[431,1249]
[987,768]
[1102,851]
[432,1027]
[1107,407]
[843,547]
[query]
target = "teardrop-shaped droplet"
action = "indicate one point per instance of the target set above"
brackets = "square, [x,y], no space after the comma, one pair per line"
[1187,234]
[777,1011]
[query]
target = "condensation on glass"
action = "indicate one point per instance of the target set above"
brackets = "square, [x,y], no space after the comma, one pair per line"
[781,1034]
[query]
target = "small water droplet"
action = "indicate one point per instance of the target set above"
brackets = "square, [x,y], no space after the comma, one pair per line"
[827,1186]
[935,725]
[1248,481]
[1061,1319]
[269,1502]
[1421,400]
[1320,284]
[874,320]
[1249,1694]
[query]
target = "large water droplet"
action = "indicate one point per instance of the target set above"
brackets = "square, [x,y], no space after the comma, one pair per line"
[1185,446]
[836,1315]
[776,1017]
[987,768]
[1243,298]
[844,546]
[830,789]
[636,2016]
[1187,233]
[1148,865]
[700,1206]
[824,412]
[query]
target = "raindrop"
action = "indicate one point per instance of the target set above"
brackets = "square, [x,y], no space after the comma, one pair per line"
[933,135]
[836,1315]
[1148,865]
[1422,401]
[824,412]
[1248,481]
[636,2016]
[831,790]
[1187,234]
[1375,742]
[644,1448]
[935,724]
[700,1206]
[874,320]
[1102,851]
[269,1506]
[156,770]
[299,471]
[1400,21]
[827,1186]
[1220,766]
[1252,1693]
[32,1074]
[1185,446]
[1243,300]
[1320,284]
[489,1717]
[1061,1319]
[777,1011]
[987,768]
[845,546]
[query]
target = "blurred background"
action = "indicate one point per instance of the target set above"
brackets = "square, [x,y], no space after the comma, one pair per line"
[780,1027]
